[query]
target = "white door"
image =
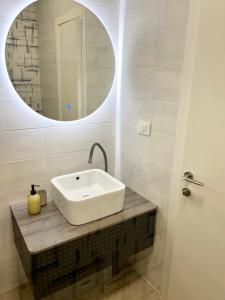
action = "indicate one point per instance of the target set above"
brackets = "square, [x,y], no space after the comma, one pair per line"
[198,259]
[70,33]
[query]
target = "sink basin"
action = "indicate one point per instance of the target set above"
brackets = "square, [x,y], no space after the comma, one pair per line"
[87,196]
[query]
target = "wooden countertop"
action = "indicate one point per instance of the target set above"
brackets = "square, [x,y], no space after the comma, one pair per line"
[50,229]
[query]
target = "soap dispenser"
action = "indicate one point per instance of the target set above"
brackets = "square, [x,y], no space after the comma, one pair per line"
[34,201]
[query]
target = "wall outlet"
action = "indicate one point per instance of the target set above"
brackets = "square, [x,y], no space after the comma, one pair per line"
[144,127]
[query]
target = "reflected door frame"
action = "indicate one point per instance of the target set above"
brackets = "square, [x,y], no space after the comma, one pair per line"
[78,13]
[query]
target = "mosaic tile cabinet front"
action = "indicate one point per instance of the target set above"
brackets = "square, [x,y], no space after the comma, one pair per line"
[95,247]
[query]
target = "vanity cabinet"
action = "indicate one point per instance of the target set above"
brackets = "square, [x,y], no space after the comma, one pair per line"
[56,254]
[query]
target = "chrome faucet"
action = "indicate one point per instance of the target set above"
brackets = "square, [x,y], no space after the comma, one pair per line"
[103,152]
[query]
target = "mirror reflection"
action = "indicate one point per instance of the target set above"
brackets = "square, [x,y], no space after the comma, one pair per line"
[60,59]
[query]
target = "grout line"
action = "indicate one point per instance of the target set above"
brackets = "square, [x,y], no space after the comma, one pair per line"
[160,13]
[50,155]
[157,41]
[21,160]
[157,67]
[151,100]
[3,24]
[158,30]
[8,99]
[24,129]
[164,134]
[152,286]
[44,152]
[166,101]
[23,187]
[57,126]
[148,186]
[149,160]
[181,26]
[81,150]
[19,187]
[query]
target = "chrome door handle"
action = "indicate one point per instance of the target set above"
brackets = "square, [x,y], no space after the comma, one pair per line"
[189,177]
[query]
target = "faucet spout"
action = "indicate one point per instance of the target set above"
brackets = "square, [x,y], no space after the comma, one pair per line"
[103,152]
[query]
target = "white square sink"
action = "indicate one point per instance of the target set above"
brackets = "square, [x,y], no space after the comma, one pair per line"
[87,196]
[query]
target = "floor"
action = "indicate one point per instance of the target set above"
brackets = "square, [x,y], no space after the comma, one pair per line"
[132,287]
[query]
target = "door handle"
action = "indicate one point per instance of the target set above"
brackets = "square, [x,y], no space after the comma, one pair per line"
[186,192]
[189,177]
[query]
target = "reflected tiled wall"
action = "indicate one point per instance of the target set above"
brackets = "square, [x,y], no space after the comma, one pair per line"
[22,57]
[99,64]
[33,149]
[154,43]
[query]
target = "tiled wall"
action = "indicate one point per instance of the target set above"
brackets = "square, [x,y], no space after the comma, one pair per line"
[33,149]
[22,57]
[152,68]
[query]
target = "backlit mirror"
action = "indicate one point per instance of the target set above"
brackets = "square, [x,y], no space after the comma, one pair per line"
[60,59]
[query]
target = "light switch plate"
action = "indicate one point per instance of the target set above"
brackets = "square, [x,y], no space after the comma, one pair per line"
[144,128]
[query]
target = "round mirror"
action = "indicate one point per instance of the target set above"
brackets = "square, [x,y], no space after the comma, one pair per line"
[60,59]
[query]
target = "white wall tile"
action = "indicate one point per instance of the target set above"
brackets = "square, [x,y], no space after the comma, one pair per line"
[21,173]
[162,150]
[162,201]
[65,139]
[150,173]
[6,231]
[71,162]
[160,83]
[8,251]
[156,147]
[21,144]
[136,109]
[136,21]
[155,257]
[6,89]
[11,271]
[167,83]
[140,82]
[17,115]
[171,44]
[10,274]
[142,51]
[165,117]
[14,196]
[173,13]
[76,138]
